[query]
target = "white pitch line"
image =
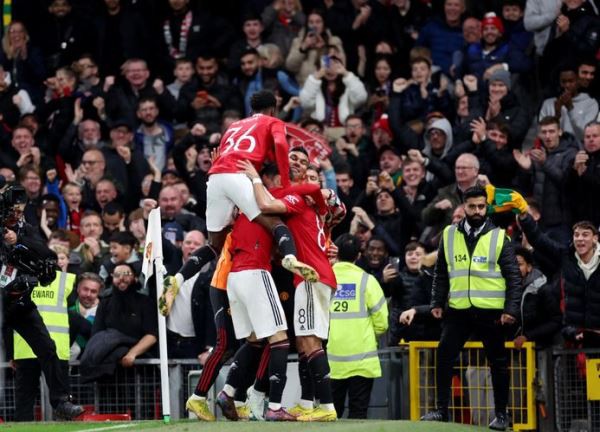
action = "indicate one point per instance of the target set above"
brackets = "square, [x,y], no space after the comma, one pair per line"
[105,428]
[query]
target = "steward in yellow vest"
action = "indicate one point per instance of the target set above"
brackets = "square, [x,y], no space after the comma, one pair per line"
[359,314]
[51,303]
[477,276]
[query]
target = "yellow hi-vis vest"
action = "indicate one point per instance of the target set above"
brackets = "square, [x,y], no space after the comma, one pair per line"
[475,280]
[358,314]
[51,302]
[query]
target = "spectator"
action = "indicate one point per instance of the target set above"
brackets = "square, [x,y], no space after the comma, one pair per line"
[47,214]
[583,178]
[122,248]
[409,288]
[171,207]
[183,72]
[491,53]
[282,20]
[573,108]
[575,34]
[83,311]
[489,143]
[418,191]
[351,337]
[254,77]
[207,96]
[500,103]
[375,255]
[541,318]
[512,17]
[23,150]
[547,169]
[586,77]
[252,27]
[539,18]
[64,35]
[332,93]
[443,36]
[407,19]
[125,162]
[105,193]
[120,34]
[13,103]
[579,281]
[186,33]
[81,135]
[312,42]
[423,93]
[154,137]
[122,98]
[124,329]
[438,214]
[30,180]
[113,219]
[190,324]
[88,79]
[381,86]
[24,60]
[72,202]
[90,253]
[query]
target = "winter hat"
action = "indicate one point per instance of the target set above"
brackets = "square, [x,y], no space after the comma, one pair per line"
[491,18]
[501,75]
[382,123]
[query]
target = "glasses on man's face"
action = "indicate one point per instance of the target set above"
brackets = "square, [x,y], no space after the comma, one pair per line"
[463,168]
[89,162]
[122,274]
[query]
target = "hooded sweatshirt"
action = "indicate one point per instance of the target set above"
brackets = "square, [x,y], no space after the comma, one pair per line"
[445,126]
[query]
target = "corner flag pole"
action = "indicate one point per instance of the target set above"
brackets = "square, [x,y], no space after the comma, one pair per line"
[153,258]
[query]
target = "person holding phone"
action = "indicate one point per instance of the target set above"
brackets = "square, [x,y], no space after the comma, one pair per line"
[332,93]
[311,43]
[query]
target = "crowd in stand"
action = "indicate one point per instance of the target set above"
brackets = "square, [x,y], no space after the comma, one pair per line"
[108,107]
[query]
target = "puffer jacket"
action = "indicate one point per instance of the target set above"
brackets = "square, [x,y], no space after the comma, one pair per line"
[540,311]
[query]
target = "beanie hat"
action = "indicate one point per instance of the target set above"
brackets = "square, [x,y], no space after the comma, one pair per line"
[382,123]
[501,75]
[490,18]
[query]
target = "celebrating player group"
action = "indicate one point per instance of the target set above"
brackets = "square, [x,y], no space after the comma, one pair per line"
[264,213]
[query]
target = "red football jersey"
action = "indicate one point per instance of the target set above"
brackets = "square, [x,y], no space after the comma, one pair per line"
[308,230]
[251,246]
[257,139]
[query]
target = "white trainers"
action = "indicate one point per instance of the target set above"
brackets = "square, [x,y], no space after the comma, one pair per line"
[256,401]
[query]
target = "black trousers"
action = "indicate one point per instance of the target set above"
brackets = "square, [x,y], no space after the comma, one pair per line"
[28,323]
[27,389]
[358,389]
[458,327]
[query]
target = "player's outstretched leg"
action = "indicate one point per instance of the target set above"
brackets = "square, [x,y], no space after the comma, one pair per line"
[287,248]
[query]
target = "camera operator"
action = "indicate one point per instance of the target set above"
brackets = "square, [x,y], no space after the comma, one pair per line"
[26,261]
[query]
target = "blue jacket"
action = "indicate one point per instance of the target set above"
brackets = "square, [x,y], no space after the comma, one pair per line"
[442,40]
[476,61]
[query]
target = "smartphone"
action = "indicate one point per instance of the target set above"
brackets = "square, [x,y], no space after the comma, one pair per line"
[380,92]
[202,94]
[395,262]
[374,173]
[326,61]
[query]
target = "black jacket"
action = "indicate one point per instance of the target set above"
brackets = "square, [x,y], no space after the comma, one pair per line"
[581,297]
[583,188]
[508,266]
[541,318]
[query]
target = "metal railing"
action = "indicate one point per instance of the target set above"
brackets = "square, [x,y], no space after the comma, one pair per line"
[134,391]
[573,410]
[472,399]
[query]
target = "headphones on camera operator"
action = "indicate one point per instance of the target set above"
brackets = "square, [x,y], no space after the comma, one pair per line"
[33,261]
